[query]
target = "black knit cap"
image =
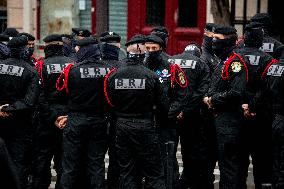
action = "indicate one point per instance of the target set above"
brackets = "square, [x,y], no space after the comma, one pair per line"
[253,25]
[262,18]
[110,37]
[81,32]
[160,30]
[11,32]
[225,30]
[210,26]
[154,39]
[86,41]
[29,36]
[139,38]
[68,36]
[17,42]
[53,38]
[4,38]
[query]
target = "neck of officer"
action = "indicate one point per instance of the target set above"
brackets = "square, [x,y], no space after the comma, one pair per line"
[16,52]
[227,53]
[53,50]
[110,52]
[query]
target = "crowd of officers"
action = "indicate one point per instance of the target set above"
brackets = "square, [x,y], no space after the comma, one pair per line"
[224,102]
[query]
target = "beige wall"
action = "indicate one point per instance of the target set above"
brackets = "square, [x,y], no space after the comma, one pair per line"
[21,14]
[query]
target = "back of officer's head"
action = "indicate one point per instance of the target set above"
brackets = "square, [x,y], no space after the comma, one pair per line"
[18,46]
[264,19]
[53,45]
[194,49]
[111,38]
[163,33]
[11,32]
[253,36]
[87,48]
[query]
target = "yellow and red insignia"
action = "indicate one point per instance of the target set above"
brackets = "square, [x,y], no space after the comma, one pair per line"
[182,78]
[236,67]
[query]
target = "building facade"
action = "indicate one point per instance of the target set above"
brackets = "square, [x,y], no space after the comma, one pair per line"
[185,19]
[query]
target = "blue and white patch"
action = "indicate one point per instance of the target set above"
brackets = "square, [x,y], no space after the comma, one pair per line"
[11,70]
[267,47]
[185,64]
[93,72]
[55,68]
[275,70]
[130,83]
[253,60]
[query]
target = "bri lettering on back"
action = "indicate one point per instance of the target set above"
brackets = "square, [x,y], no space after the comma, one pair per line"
[11,70]
[183,63]
[93,72]
[253,60]
[267,47]
[130,83]
[55,68]
[275,70]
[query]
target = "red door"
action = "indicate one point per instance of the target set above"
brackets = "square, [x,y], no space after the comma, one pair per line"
[185,20]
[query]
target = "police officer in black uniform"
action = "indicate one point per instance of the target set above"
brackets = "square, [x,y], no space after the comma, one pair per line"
[224,98]
[174,84]
[4,50]
[52,103]
[163,33]
[274,78]
[133,91]
[19,94]
[196,171]
[85,134]
[269,44]
[208,55]
[30,50]
[110,48]
[259,125]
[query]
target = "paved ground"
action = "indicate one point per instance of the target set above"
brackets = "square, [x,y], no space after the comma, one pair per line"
[216,172]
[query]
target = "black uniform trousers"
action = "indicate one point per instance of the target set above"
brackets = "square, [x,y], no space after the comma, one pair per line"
[138,153]
[231,156]
[198,148]
[258,144]
[48,146]
[278,151]
[16,131]
[84,149]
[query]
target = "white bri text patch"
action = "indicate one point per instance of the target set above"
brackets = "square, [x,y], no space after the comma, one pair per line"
[130,83]
[183,63]
[275,70]
[11,70]
[55,68]
[93,72]
[267,47]
[253,60]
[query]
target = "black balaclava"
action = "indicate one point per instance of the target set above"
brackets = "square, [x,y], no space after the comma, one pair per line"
[88,51]
[222,47]
[207,43]
[109,52]
[53,50]
[153,59]
[253,37]
[19,52]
